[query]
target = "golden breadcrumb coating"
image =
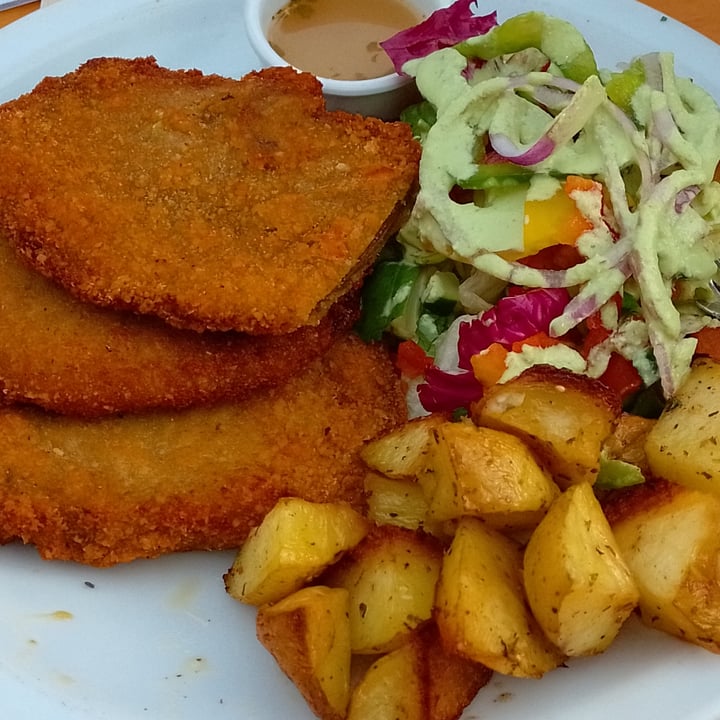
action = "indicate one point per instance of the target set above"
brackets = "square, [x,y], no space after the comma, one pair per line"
[72,357]
[110,490]
[210,202]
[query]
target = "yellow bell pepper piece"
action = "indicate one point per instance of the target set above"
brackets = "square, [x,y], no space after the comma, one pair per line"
[555,220]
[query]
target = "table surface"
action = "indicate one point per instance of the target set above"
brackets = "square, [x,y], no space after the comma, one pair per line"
[702,15]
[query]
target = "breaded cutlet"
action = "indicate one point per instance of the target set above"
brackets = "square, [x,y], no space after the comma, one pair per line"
[72,357]
[110,490]
[210,202]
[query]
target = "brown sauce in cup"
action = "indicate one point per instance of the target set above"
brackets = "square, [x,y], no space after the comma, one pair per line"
[339,39]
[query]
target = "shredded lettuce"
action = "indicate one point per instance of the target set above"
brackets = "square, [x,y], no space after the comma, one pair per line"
[385,296]
[507,110]
[412,301]
[420,117]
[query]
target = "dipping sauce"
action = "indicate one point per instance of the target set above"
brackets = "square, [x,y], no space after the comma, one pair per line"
[339,39]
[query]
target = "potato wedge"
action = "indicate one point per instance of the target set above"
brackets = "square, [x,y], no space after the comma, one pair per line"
[564,417]
[487,473]
[684,444]
[391,577]
[392,688]
[308,634]
[481,609]
[578,586]
[402,453]
[395,502]
[419,680]
[668,535]
[294,543]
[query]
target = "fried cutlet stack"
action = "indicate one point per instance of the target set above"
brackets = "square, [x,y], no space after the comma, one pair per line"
[180,260]
[228,205]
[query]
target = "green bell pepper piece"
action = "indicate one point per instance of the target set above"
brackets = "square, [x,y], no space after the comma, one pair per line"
[496,175]
[615,474]
[623,85]
[560,41]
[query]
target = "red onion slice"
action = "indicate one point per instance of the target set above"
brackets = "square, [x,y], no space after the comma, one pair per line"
[685,197]
[569,121]
[507,149]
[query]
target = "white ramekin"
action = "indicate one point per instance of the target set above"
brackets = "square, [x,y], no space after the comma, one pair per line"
[382,97]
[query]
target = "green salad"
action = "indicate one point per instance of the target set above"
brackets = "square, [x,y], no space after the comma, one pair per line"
[567,215]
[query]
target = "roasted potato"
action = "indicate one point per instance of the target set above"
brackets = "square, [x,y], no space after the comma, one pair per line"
[294,543]
[578,586]
[481,609]
[402,453]
[391,577]
[564,417]
[419,680]
[487,473]
[308,634]
[392,688]
[668,535]
[395,502]
[684,444]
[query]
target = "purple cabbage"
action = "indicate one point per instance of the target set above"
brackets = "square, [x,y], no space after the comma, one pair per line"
[445,391]
[510,320]
[444,28]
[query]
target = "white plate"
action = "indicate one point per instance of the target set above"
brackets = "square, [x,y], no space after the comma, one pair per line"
[160,639]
